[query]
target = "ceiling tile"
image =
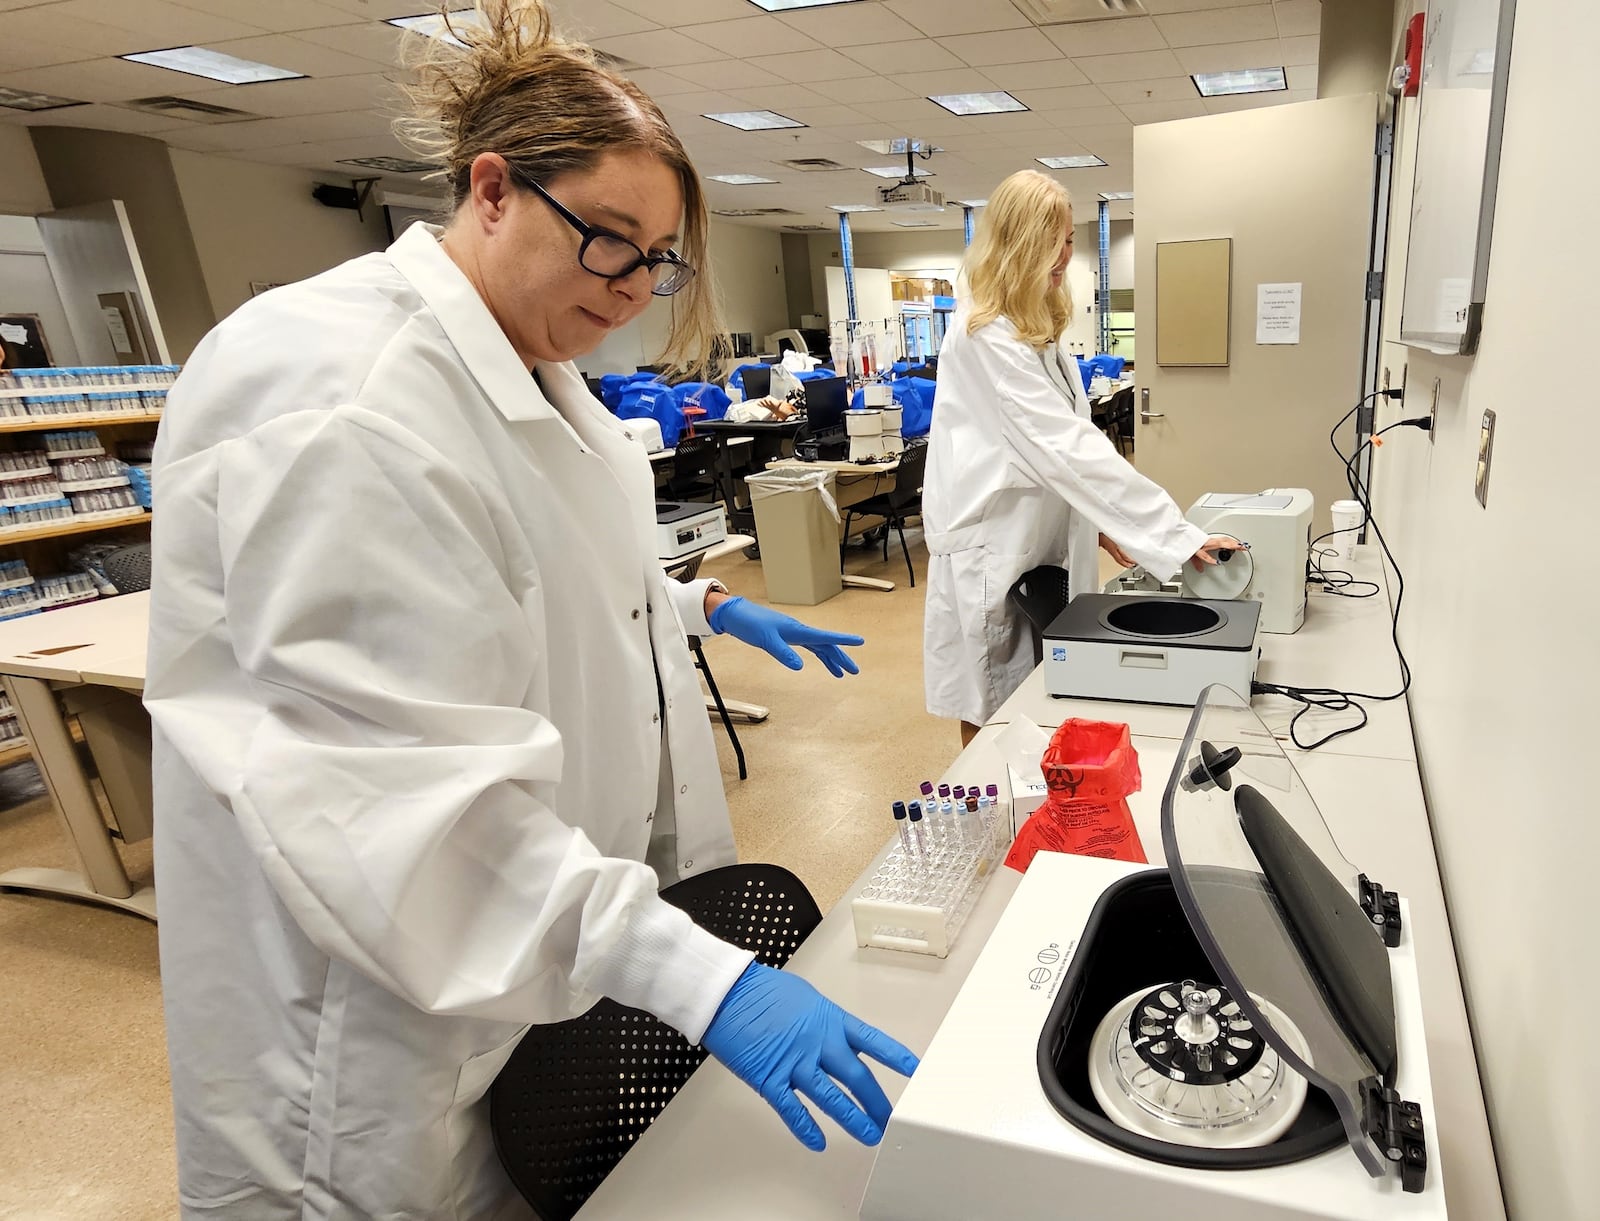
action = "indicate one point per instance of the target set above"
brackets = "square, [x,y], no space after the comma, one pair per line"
[701,104]
[957,80]
[779,97]
[1026,120]
[83,39]
[1166,89]
[750,36]
[1137,67]
[98,117]
[280,16]
[1297,17]
[100,80]
[266,133]
[1219,25]
[1243,101]
[370,40]
[295,54]
[868,89]
[21,53]
[1158,7]
[1164,112]
[160,24]
[730,74]
[1044,74]
[1300,50]
[687,12]
[1070,98]
[1301,76]
[659,84]
[1264,53]
[285,99]
[658,49]
[909,111]
[1118,37]
[382,10]
[852,25]
[830,116]
[804,66]
[1002,47]
[586,20]
[918,55]
[942,18]
[1086,116]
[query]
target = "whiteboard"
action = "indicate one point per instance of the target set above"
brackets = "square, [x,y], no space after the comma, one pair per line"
[1466,61]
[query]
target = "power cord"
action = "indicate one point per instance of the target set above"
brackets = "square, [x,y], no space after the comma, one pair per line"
[1341,584]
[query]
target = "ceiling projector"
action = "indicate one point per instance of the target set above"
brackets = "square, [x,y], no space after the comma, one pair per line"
[912,197]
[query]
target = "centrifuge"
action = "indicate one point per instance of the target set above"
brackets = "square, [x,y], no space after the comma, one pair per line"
[1238,1034]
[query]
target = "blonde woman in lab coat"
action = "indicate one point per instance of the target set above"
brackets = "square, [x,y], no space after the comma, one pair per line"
[1018,475]
[428,735]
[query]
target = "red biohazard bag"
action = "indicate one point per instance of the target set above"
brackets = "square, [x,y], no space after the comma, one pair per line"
[1089,767]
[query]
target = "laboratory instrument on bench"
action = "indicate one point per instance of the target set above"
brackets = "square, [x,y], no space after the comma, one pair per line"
[682,529]
[1276,524]
[1151,649]
[1239,1034]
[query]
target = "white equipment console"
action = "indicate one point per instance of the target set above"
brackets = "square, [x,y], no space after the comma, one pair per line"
[1276,524]
[685,528]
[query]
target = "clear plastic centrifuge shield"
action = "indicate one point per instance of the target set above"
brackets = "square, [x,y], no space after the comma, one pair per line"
[1310,951]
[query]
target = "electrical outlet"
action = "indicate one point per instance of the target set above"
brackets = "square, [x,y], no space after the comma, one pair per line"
[1433,413]
[1385,377]
[1485,457]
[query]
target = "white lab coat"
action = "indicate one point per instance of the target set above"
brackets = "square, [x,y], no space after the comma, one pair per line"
[1018,476]
[406,628]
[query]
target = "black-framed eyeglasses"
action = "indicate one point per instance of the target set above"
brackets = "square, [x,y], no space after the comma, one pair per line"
[612,256]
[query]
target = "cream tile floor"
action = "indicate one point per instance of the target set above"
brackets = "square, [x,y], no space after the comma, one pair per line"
[85,1130]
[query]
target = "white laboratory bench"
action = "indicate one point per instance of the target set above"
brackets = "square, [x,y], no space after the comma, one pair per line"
[718,1153]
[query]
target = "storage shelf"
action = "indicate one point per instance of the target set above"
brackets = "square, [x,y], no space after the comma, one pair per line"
[62,530]
[19,392]
[51,423]
[14,750]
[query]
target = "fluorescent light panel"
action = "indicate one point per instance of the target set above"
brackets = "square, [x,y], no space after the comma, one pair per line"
[973,203]
[23,99]
[213,65]
[854,208]
[1116,195]
[785,6]
[1079,161]
[893,171]
[978,103]
[1246,80]
[915,224]
[897,147]
[753,120]
[741,180]
[390,165]
[433,25]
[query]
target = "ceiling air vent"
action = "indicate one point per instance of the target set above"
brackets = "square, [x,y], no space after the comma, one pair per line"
[813,165]
[808,228]
[188,108]
[754,212]
[1064,12]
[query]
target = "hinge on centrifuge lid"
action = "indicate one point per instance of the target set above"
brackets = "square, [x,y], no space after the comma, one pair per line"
[1382,908]
[1395,1125]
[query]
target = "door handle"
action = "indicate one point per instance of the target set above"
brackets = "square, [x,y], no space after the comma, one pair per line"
[1144,407]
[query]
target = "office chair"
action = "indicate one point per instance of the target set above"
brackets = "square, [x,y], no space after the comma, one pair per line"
[576,1095]
[896,506]
[694,470]
[129,568]
[686,572]
[1040,594]
[1119,420]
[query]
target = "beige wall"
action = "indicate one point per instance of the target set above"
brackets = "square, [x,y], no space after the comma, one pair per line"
[88,167]
[1292,186]
[22,189]
[797,276]
[253,222]
[1353,54]
[1506,665]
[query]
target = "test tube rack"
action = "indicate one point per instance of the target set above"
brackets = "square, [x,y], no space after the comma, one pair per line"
[918,901]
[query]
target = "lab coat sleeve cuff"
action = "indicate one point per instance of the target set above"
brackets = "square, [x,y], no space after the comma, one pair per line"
[690,599]
[666,964]
[1185,542]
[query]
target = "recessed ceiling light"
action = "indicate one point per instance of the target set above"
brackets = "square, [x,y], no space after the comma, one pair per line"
[893,171]
[783,6]
[1080,161]
[973,203]
[435,26]
[854,208]
[391,165]
[742,180]
[915,224]
[22,99]
[898,146]
[753,120]
[213,65]
[978,103]
[1116,194]
[1246,80]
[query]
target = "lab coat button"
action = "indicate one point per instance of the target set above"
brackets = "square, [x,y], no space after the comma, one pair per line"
[635,614]
[655,717]
[688,864]
[684,789]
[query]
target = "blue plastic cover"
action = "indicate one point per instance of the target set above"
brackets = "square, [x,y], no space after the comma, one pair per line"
[650,399]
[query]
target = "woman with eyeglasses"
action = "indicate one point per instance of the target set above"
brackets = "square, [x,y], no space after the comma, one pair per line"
[428,737]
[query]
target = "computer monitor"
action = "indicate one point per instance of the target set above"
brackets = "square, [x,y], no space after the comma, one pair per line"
[757,381]
[826,400]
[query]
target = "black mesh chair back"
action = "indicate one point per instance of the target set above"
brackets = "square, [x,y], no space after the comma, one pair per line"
[575,1095]
[900,502]
[908,476]
[694,468]
[129,568]
[1040,594]
[1119,417]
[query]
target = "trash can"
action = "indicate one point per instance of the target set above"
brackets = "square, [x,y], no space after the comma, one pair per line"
[797,526]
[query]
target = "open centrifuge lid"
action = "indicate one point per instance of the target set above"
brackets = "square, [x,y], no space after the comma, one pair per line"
[1276,907]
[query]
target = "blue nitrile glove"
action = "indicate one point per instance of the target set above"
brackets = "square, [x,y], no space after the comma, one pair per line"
[782,1037]
[775,632]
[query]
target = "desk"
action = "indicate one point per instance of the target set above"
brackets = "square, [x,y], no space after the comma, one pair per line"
[853,483]
[717,1153]
[92,658]
[731,443]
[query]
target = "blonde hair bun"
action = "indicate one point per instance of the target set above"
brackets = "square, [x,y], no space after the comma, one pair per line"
[1007,270]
